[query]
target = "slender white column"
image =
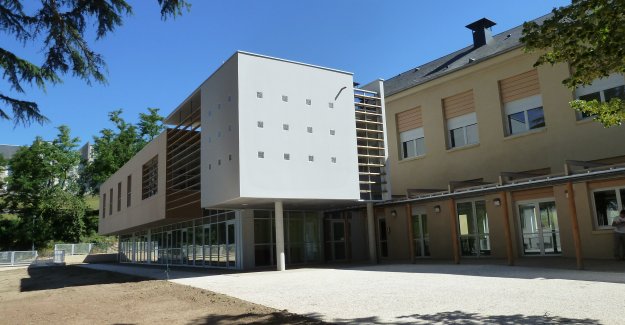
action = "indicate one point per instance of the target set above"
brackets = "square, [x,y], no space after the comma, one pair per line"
[280,261]
[371,232]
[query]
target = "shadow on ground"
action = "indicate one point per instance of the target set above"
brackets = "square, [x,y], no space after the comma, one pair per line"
[56,277]
[279,317]
[462,318]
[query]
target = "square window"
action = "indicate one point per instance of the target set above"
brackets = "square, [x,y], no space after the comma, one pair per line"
[229,98]
[219,134]
[210,166]
[285,127]
[333,160]
[259,94]
[309,129]
[260,124]
[332,132]
[308,102]
[285,98]
[616,92]
[219,162]
[261,154]
[331,105]
[287,156]
[230,157]
[311,158]
[209,139]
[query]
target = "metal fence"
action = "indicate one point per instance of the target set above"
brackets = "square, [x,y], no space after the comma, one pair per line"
[12,258]
[74,249]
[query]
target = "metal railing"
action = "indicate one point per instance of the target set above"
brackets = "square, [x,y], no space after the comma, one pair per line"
[13,258]
[74,249]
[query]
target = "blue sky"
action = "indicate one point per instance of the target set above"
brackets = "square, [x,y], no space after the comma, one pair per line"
[154,63]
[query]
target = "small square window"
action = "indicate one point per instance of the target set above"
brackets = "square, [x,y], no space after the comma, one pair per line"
[219,134]
[219,162]
[210,166]
[210,113]
[308,102]
[259,94]
[229,98]
[230,157]
[332,132]
[311,158]
[260,124]
[285,127]
[309,129]
[331,105]
[333,160]
[285,98]
[261,154]
[287,156]
[218,106]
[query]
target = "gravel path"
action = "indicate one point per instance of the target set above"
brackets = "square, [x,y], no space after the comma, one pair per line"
[424,294]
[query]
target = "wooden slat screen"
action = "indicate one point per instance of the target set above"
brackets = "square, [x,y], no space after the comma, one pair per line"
[520,86]
[408,120]
[458,105]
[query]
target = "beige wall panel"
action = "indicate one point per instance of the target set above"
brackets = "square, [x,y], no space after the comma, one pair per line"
[606,184]
[408,120]
[536,193]
[458,105]
[520,86]
[595,243]
[398,244]
[496,227]
[439,227]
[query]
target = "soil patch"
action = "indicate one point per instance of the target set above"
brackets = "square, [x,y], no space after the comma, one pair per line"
[75,295]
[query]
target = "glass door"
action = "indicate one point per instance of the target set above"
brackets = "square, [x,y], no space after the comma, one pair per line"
[231,244]
[473,228]
[420,235]
[539,228]
[382,238]
[207,245]
[337,240]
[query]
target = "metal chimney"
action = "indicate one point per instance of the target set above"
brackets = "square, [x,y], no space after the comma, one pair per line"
[481,32]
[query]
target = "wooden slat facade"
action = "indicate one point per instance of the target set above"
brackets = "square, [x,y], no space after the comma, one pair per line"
[458,105]
[408,120]
[520,86]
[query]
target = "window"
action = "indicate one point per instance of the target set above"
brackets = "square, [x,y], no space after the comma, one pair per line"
[259,94]
[539,226]
[309,129]
[333,160]
[420,234]
[230,157]
[601,90]
[311,158]
[287,156]
[412,143]
[285,127]
[103,205]
[210,166]
[128,190]
[261,154]
[473,228]
[110,201]
[331,105]
[285,98]
[463,130]
[607,204]
[119,196]
[219,162]
[332,132]
[524,115]
[260,124]
[308,102]
[149,181]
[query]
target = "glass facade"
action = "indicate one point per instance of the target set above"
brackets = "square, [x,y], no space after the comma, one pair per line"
[539,225]
[473,228]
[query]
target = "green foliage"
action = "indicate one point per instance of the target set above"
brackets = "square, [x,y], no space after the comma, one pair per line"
[114,147]
[589,35]
[43,192]
[61,26]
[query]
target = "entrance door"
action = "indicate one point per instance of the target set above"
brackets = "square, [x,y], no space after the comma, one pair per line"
[473,228]
[420,235]
[206,247]
[382,238]
[231,244]
[539,225]
[337,240]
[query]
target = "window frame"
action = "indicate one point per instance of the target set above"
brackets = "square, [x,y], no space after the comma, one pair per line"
[536,204]
[408,136]
[473,202]
[461,122]
[598,86]
[619,203]
[523,105]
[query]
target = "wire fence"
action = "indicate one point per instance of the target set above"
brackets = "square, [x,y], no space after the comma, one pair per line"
[13,258]
[74,249]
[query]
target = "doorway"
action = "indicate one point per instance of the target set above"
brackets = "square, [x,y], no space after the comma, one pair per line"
[336,241]
[539,228]
[383,230]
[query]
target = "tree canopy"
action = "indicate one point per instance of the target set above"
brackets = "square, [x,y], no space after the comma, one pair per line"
[589,35]
[61,26]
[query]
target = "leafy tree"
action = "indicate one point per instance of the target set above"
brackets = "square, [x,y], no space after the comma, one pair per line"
[43,191]
[114,147]
[590,36]
[61,26]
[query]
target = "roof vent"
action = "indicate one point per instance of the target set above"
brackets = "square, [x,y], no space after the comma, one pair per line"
[481,32]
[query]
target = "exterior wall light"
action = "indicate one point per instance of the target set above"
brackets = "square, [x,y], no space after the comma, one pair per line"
[497,202]
[393,213]
[437,208]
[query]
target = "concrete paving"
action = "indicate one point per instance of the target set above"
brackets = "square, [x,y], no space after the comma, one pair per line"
[425,294]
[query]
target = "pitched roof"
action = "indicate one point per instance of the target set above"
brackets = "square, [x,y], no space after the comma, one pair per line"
[468,56]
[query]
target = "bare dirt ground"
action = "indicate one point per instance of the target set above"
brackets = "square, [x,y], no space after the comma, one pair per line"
[74,295]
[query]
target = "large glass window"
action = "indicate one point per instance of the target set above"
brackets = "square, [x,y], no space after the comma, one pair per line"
[473,228]
[420,234]
[150,178]
[540,229]
[607,203]
[462,130]
[524,115]
[412,143]
[601,90]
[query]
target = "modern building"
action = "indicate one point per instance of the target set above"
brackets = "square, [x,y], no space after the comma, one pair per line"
[253,158]
[489,160]
[271,162]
